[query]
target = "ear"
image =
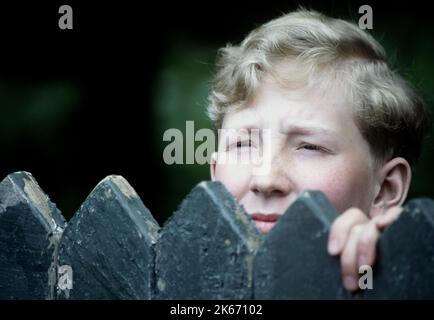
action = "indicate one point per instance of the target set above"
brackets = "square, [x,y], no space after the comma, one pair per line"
[395,178]
[213,165]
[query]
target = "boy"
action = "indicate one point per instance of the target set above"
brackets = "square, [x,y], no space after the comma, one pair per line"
[339,120]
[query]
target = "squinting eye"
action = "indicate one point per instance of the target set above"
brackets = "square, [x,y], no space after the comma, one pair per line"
[244,143]
[239,144]
[311,147]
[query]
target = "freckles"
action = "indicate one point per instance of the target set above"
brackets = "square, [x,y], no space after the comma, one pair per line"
[346,188]
[335,187]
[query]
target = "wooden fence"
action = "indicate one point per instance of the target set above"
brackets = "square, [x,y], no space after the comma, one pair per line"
[209,248]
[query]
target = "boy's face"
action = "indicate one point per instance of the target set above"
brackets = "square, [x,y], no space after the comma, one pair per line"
[314,144]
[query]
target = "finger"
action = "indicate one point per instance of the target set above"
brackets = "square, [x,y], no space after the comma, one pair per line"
[349,260]
[388,217]
[367,243]
[341,228]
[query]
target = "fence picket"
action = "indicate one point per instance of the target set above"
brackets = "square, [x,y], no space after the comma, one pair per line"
[206,248]
[30,228]
[292,262]
[109,244]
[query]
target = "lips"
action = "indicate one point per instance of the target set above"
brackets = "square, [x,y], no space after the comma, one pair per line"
[265,222]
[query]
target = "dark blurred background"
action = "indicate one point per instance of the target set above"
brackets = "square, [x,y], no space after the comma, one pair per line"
[78,105]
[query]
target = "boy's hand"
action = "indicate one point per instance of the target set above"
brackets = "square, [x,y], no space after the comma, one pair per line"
[354,236]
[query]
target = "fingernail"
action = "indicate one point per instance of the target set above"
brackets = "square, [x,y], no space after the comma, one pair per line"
[350,283]
[333,246]
[362,260]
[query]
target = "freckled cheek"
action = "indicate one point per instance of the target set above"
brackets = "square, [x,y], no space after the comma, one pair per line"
[336,185]
[344,190]
[236,178]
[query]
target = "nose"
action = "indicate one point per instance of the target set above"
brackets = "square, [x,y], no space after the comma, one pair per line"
[273,183]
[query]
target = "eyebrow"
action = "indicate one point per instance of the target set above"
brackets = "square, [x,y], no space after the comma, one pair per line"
[308,130]
[247,124]
[291,130]
[289,127]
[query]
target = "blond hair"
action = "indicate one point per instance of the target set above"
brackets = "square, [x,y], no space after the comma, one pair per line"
[388,112]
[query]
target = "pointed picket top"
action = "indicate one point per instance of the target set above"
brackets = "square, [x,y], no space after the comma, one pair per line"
[293,262]
[206,248]
[30,229]
[405,267]
[109,245]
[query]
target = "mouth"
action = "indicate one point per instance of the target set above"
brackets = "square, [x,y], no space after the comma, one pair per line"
[265,222]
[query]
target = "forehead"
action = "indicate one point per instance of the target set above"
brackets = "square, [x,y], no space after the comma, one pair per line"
[325,106]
